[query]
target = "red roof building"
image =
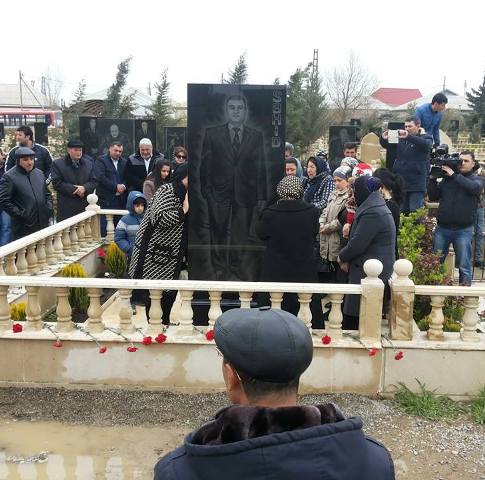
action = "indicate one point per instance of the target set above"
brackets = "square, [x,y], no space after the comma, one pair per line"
[396,96]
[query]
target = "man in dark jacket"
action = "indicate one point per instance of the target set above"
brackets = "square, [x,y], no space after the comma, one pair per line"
[25,138]
[139,165]
[458,194]
[412,162]
[24,195]
[265,434]
[109,171]
[73,179]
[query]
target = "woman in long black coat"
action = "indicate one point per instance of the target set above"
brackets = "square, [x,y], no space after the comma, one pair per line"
[289,228]
[373,235]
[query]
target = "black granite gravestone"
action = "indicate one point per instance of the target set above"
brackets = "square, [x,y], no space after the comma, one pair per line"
[338,135]
[40,133]
[146,128]
[174,137]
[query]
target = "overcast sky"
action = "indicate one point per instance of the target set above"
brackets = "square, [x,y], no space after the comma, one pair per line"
[406,44]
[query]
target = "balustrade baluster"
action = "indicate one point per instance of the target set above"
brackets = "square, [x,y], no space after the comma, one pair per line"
[185,326]
[81,233]
[22,265]
[58,247]
[63,310]
[304,313]
[334,328]
[33,311]
[215,308]
[41,255]
[435,331]
[126,324]
[50,253]
[94,322]
[32,264]
[74,239]
[5,322]
[276,299]
[11,267]
[245,299]
[87,231]
[66,242]
[470,320]
[155,313]
[110,228]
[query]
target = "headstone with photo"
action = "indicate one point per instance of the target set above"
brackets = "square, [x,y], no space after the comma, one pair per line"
[40,133]
[2,131]
[174,137]
[146,128]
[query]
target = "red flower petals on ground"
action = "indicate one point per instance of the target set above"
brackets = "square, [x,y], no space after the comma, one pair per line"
[209,335]
[132,348]
[57,344]
[100,252]
[326,339]
[398,356]
[160,338]
[147,340]
[103,349]
[372,352]
[17,328]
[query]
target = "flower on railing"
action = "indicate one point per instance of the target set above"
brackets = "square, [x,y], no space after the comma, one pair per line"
[398,355]
[101,348]
[132,347]
[161,338]
[57,343]
[326,339]
[372,351]
[17,327]
[209,335]
[147,340]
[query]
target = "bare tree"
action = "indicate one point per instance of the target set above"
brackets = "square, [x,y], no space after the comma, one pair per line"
[51,86]
[349,87]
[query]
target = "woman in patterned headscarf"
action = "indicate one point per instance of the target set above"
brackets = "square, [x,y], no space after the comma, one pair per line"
[289,228]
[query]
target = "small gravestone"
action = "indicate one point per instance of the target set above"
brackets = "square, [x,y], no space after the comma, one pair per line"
[370,150]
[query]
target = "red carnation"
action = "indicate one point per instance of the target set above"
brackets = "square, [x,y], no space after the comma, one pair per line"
[160,338]
[326,339]
[372,351]
[103,349]
[57,344]
[17,328]
[100,252]
[147,340]
[132,348]
[398,356]
[209,335]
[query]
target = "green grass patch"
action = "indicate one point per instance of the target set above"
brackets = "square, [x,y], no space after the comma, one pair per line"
[428,404]
[478,407]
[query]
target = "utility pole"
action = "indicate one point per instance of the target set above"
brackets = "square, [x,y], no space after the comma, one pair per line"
[444,83]
[464,88]
[315,61]
[20,86]
[149,89]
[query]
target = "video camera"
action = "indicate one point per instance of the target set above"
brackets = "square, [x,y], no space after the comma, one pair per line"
[441,158]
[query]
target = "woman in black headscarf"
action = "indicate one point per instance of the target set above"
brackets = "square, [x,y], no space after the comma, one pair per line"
[289,228]
[319,184]
[160,242]
[373,235]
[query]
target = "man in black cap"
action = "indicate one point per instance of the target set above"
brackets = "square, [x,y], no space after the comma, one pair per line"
[265,434]
[25,138]
[73,179]
[24,195]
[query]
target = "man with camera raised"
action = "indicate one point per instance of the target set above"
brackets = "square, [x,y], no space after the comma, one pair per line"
[458,194]
[412,161]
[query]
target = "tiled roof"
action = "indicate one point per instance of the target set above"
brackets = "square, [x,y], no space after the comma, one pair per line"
[397,96]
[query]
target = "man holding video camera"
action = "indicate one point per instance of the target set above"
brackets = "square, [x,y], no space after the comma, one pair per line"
[458,194]
[412,161]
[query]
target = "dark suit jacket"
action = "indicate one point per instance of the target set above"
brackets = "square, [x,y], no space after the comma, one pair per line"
[64,177]
[229,176]
[135,172]
[107,179]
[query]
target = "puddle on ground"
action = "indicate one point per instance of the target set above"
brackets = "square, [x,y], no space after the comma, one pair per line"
[56,451]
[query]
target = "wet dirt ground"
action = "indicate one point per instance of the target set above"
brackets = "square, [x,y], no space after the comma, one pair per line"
[119,434]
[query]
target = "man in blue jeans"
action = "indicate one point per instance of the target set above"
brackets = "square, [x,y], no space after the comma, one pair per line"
[459,195]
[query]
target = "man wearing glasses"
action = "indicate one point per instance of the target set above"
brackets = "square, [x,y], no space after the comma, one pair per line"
[265,433]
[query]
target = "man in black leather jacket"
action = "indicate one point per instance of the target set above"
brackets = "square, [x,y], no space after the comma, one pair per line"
[24,195]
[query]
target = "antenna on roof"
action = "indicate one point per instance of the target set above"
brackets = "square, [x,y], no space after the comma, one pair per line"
[444,83]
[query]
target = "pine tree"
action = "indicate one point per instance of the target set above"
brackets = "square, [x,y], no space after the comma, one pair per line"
[239,75]
[476,100]
[161,108]
[70,115]
[116,105]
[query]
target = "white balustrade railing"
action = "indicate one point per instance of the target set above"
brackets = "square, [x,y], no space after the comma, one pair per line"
[403,293]
[371,304]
